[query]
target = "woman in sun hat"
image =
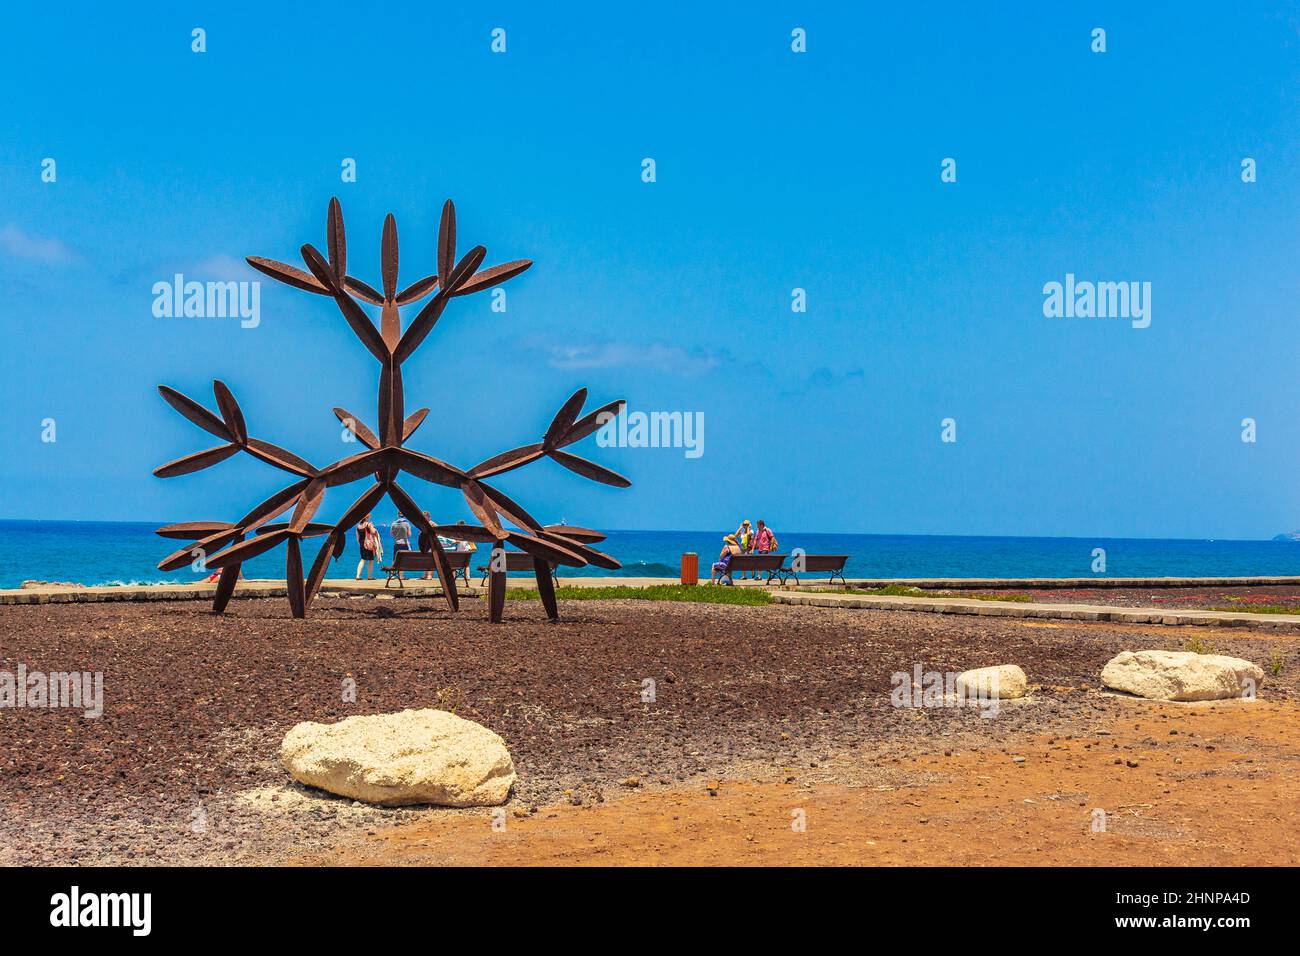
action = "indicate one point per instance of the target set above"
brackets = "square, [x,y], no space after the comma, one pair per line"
[730,548]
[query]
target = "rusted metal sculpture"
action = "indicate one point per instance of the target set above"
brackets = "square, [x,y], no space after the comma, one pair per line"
[501,520]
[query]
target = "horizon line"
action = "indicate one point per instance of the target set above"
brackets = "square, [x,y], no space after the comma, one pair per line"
[861,534]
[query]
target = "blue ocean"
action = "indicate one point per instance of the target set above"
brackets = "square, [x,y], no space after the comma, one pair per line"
[91,552]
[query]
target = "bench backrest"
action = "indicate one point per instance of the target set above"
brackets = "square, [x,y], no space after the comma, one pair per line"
[423,560]
[824,562]
[756,562]
[515,561]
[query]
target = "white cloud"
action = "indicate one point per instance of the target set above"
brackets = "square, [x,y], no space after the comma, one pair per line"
[15,242]
[663,358]
[222,267]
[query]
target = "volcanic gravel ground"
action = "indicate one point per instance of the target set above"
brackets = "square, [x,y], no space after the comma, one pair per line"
[183,764]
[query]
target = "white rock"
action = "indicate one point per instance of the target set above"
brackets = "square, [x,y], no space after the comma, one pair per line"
[1005,682]
[416,756]
[1181,675]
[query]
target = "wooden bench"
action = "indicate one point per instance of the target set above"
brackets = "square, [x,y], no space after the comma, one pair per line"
[423,561]
[769,563]
[814,564]
[516,561]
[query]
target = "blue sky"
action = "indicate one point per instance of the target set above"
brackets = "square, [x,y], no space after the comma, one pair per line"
[775,170]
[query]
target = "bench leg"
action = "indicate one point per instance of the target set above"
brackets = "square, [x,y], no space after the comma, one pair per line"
[546,588]
[496,595]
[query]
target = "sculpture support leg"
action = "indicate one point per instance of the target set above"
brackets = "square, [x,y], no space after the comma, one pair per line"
[546,588]
[407,506]
[225,588]
[321,565]
[496,596]
[293,579]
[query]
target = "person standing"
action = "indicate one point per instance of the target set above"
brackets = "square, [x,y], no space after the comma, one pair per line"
[765,540]
[372,549]
[745,538]
[401,532]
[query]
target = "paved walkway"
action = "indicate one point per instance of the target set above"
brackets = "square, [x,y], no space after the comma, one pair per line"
[59,594]
[1067,612]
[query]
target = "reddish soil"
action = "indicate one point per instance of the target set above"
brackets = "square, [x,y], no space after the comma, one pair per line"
[1177,599]
[182,766]
[1174,785]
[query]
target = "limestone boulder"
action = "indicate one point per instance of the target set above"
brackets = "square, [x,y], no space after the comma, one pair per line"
[411,757]
[1181,675]
[1004,682]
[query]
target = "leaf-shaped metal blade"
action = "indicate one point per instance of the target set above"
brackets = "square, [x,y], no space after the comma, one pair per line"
[293,578]
[581,535]
[337,246]
[507,461]
[355,426]
[564,418]
[599,558]
[465,269]
[225,588]
[320,565]
[187,554]
[360,323]
[193,530]
[362,291]
[195,462]
[446,242]
[420,327]
[308,505]
[510,509]
[289,275]
[546,550]
[391,403]
[388,257]
[407,506]
[429,468]
[493,276]
[272,507]
[417,290]
[320,269]
[589,469]
[245,550]
[230,411]
[313,529]
[590,423]
[361,507]
[465,532]
[196,413]
[275,455]
[482,508]
[350,469]
[413,422]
